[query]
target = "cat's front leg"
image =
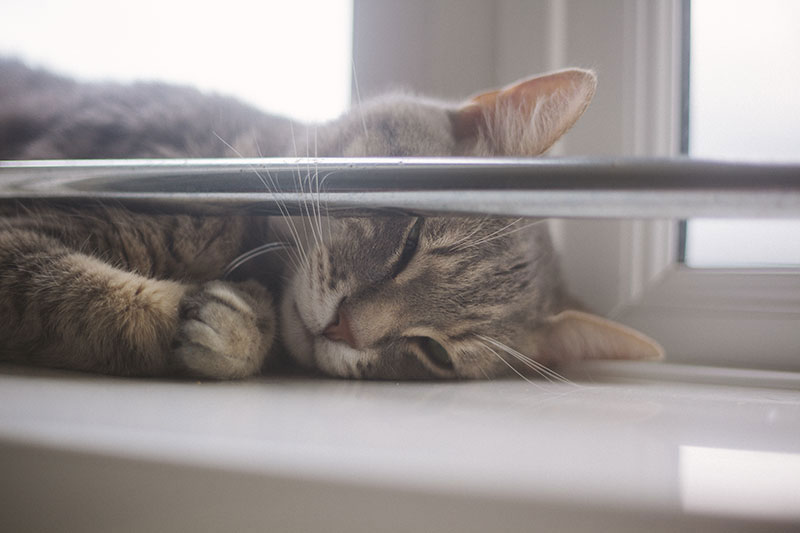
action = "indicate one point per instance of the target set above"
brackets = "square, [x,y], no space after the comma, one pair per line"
[66,309]
[226,330]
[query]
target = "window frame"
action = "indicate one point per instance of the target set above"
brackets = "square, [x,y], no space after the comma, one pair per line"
[627,269]
[731,317]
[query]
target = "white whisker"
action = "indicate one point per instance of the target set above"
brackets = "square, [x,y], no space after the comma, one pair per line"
[309,177]
[502,233]
[531,363]
[251,254]
[509,365]
[295,252]
[537,367]
[319,184]
[478,226]
[298,180]
[313,187]
[298,249]
[493,235]
[358,101]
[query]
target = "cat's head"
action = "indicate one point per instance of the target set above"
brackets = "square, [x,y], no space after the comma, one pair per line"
[442,297]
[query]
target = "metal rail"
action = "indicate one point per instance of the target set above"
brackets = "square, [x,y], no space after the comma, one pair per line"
[609,188]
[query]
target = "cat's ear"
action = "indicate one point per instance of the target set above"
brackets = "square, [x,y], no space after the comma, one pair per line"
[525,118]
[575,335]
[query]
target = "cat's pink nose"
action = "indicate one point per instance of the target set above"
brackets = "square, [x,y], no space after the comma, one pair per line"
[339,330]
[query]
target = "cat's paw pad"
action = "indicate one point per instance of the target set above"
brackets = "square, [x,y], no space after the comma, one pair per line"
[225,330]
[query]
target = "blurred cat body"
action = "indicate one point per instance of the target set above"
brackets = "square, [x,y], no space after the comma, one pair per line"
[111,291]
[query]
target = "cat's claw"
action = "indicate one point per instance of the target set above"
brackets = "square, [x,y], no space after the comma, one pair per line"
[225,330]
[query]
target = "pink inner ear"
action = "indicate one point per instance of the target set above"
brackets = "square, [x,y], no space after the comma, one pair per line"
[574,335]
[574,87]
[523,95]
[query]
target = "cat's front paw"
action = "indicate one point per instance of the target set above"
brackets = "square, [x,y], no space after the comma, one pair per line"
[225,330]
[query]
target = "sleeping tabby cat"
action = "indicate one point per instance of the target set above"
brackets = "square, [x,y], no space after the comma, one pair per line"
[112,291]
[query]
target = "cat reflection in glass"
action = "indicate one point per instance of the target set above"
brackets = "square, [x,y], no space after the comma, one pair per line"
[108,290]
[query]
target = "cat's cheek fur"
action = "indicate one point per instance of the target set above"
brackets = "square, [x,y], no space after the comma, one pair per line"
[296,338]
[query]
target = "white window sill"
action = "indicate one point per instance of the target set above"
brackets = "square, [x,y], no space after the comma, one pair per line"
[634,446]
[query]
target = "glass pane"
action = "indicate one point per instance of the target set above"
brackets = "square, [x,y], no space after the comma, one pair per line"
[745,71]
[291,58]
[742,243]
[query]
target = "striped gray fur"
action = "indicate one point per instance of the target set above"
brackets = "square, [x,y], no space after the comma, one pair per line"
[111,291]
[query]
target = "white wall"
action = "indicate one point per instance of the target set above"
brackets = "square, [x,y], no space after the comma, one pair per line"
[286,57]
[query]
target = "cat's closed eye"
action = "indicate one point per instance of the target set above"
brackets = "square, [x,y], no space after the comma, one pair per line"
[409,247]
[435,353]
